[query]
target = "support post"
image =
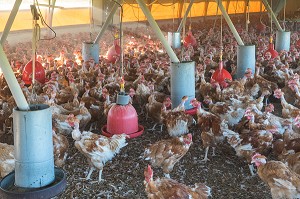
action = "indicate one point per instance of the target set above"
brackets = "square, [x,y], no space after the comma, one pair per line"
[12,82]
[272,15]
[157,31]
[10,21]
[185,16]
[106,23]
[230,24]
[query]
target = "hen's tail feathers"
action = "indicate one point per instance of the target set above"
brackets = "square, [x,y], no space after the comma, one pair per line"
[202,189]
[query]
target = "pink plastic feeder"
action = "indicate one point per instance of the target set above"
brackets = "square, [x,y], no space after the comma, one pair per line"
[122,118]
[39,73]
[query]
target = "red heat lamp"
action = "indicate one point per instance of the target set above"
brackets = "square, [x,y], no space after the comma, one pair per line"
[271,49]
[122,118]
[113,52]
[220,75]
[189,39]
[39,73]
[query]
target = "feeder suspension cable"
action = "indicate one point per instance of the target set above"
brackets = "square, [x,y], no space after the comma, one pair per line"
[183,31]
[121,38]
[284,15]
[44,22]
[221,37]
[247,16]
[173,28]
[216,17]
[271,19]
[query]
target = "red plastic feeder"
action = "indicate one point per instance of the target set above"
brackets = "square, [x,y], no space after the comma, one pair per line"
[220,75]
[298,43]
[122,118]
[113,52]
[189,40]
[192,111]
[271,49]
[39,73]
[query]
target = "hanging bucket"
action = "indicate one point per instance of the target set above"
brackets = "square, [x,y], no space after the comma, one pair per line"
[283,41]
[182,82]
[174,39]
[34,163]
[245,59]
[90,51]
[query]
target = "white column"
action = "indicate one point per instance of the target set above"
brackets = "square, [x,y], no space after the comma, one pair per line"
[230,24]
[157,31]
[272,15]
[106,23]
[10,21]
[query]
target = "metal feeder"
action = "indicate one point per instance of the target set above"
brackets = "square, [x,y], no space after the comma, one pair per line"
[90,50]
[283,41]
[34,163]
[245,59]
[9,190]
[182,82]
[174,39]
[122,118]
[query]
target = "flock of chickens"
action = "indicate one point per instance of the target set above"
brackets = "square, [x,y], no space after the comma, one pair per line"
[239,113]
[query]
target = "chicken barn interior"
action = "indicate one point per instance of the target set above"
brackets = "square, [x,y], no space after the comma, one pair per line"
[160,99]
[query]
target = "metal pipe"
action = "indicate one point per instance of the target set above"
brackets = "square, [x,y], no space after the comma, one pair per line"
[185,16]
[10,21]
[12,82]
[272,15]
[51,11]
[106,23]
[157,31]
[230,24]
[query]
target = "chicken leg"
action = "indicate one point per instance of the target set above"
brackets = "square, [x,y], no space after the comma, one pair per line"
[88,177]
[205,157]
